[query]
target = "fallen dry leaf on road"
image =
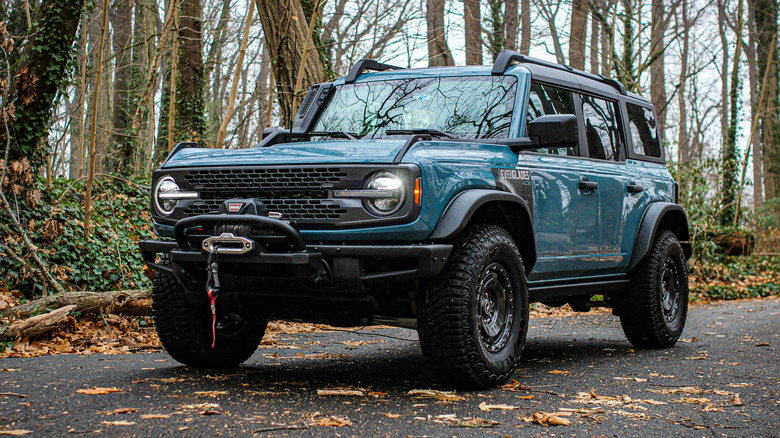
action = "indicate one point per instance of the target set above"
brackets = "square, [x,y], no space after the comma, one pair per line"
[739,385]
[155,416]
[210,393]
[711,408]
[762,344]
[678,390]
[558,372]
[200,406]
[121,411]
[487,408]
[632,414]
[433,393]
[340,392]
[15,432]
[119,423]
[332,421]
[208,412]
[389,415]
[736,401]
[695,358]
[525,397]
[97,391]
[548,419]
[695,400]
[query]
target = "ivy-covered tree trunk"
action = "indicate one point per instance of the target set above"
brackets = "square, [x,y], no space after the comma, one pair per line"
[40,73]
[285,34]
[730,159]
[121,16]
[626,72]
[190,105]
[496,35]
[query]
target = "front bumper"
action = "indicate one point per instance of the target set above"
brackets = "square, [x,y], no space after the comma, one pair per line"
[348,266]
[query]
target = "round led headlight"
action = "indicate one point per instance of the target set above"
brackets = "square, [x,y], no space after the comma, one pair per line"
[392,191]
[163,201]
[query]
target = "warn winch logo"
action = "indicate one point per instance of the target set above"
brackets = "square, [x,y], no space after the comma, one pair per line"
[235,207]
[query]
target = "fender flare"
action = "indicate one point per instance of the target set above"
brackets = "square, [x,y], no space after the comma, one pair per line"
[463,206]
[673,217]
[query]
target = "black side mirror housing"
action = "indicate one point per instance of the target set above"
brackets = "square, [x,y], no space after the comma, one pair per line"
[554,130]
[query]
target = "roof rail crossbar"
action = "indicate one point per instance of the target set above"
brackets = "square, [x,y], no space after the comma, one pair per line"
[367,64]
[508,57]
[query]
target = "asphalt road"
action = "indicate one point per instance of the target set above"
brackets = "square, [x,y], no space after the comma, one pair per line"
[723,381]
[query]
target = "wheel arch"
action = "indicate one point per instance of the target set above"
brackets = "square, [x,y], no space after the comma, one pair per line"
[494,207]
[660,216]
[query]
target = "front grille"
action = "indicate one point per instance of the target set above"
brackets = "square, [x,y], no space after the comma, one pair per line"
[301,194]
[265,178]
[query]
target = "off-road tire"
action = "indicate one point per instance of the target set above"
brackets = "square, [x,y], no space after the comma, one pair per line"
[654,310]
[185,330]
[453,323]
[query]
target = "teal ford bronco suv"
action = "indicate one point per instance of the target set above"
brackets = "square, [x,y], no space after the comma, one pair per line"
[440,199]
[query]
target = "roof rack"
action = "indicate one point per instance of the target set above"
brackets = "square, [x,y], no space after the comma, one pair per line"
[367,64]
[507,58]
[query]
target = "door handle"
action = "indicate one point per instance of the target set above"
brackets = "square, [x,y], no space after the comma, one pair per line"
[588,185]
[635,188]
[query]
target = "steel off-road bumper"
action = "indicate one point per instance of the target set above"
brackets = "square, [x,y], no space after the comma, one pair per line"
[344,266]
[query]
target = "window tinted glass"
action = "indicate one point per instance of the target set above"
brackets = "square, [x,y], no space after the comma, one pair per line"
[545,100]
[467,107]
[601,128]
[644,134]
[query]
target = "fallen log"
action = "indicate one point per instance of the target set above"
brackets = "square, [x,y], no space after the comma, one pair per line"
[37,325]
[137,302]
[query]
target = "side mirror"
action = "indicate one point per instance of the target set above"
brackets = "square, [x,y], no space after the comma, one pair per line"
[554,130]
[270,130]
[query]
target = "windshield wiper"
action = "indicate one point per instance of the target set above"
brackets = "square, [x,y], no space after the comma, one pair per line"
[420,131]
[337,134]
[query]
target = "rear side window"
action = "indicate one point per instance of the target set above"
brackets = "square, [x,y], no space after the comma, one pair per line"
[644,133]
[545,100]
[601,128]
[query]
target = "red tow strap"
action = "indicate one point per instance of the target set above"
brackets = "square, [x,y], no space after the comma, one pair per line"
[213,298]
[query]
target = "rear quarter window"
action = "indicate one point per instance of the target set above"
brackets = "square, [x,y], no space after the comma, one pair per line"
[644,131]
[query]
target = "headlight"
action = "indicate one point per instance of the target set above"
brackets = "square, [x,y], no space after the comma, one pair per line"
[167,194]
[163,201]
[394,193]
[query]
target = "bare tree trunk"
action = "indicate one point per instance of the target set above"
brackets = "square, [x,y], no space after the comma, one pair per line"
[766,12]
[77,121]
[95,96]
[683,146]
[510,23]
[438,52]
[657,67]
[236,77]
[724,68]
[594,44]
[730,158]
[263,88]
[577,33]
[752,58]
[525,27]
[173,81]
[285,34]
[627,74]
[473,31]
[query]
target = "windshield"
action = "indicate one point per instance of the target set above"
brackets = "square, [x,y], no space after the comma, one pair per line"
[464,107]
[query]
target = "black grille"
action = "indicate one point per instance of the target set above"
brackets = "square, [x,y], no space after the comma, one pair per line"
[299,193]
[265,178]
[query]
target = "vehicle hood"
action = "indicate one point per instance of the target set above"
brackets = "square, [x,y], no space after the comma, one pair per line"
[315,152]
